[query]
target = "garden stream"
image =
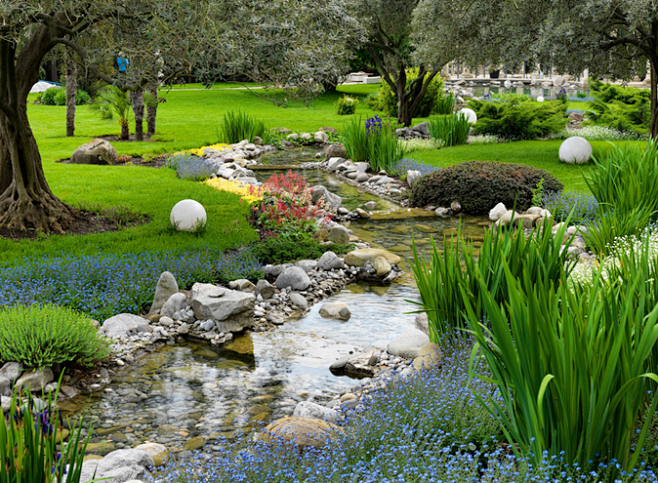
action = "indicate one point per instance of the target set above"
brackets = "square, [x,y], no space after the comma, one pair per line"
[186,396]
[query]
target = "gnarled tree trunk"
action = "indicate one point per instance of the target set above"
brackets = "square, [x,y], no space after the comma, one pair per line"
[653,126]
[152,112]
[137,101]
[71,88]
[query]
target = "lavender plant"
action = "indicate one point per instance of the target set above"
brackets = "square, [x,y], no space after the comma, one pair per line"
[191,167]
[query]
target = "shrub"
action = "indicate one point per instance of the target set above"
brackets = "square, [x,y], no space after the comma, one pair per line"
[452,130]
[518,120]
[374,142]
[479,186]
[624,109]
[238,125]
[373,102]
[600,133]
[42,335]
[483,139]
[346,105]
[106,285]
[388,101]
[48,96]
[420,144]
[580,207]
[276,249]
[191,167]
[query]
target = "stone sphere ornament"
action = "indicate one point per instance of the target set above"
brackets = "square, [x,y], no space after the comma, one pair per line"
[471,117]
[188,215]
[540,98]
[575,150]
[507,84]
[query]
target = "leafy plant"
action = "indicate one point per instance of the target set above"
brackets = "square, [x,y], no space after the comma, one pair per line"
[375,144]
[237,126]
[42,335]
[346,105]
[518,120]
[446,104]
[388,101]
[538,194]
[113,102]
[557,359]
[30,435]
[275,249]
[578,206]
[624,109]
[452,130]
[479,186]
[191,167]
[57,97]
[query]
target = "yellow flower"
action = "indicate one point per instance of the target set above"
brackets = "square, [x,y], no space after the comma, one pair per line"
[248,193]
[200,151]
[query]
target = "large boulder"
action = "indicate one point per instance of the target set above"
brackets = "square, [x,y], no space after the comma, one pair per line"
[117,327]
[157,451]
[165,288]
[304,432]
[293,277]
[11,370]
[119,466]
[320,192]
[35,380]
[335,151]
[408,344]
[174,303]
[329,261]
[97,151]
[339,234]
[234,308]
[311,410]
[335,310]
[358,258]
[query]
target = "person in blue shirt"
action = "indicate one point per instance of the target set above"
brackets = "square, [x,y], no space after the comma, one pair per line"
[122,63]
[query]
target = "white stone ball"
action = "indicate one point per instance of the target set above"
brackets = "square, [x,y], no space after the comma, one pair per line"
[470,115]
[188,215]
[507,84]
[575,150]
[540,98]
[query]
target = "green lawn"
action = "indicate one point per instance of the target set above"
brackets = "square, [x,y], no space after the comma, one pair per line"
[189,119]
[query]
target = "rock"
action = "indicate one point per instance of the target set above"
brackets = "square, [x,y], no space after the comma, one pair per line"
[294,136]
[304,432]
[381,266]
[298,300]
[422,323]
[339,234]
[497,212]
[528,221]
[311,410]
[165,288]
[306,136]
[5,386]
[508,218]
[118,466]
[575,150]
[293,277]
[35,380]
[358,258]
[265,289]
[330,199]
[335,161]
[455,206]
[117,327]
[195,443]
[335,310]
[97,151]
[534,210]
[234,308]
[328,129]
[339,363]
[175,303]
[5,403]
[357,365]
[442,212]
[243,285]
[362,213]
[430,355]
[11,371]
[330,261]
[320,137]
[413,176]
[422,128]
[307,265]
[361,178]
[408,344]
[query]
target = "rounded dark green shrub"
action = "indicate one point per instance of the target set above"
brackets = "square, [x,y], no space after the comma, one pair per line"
[480,185]
[48,97]
[42,335]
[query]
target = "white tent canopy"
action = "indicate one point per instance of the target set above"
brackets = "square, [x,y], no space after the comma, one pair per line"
[43,86]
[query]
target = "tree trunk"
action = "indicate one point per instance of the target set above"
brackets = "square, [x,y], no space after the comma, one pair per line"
[71,88]
[653,126]
[26,203]
[137,100]
[125,130]
[151,113]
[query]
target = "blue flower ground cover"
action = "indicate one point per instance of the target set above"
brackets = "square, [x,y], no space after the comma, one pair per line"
[427,428]
[105,285]
[191,167]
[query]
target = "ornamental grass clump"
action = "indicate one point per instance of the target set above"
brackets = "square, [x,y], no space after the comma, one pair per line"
[376,144]
[576,378]
[32,446]
[451,130]
[238,126]
[42,335]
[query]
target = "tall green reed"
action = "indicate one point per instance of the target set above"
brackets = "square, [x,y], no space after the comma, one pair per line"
[372,141]
[573,375]
[238,125]
[446,103]
[452,129]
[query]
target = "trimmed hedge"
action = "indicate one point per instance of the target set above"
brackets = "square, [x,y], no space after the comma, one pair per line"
[480,185]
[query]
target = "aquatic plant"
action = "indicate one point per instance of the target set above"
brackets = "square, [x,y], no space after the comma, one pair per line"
[238,125]
[376,144]
[451,130]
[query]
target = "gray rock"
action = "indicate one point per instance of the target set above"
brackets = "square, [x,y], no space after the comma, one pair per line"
[320,192]
[339,234]
[234,308]
[413,176]
[455,206]
[298,300]
[243,285]
[119,466]
[5,386]
[361,178]
[117,327]
[306,136]
[336,151]
[165,288]
[5,403]
[35,380]
[311,410]
[11,370]
[175,303]
[423,128]
[339,363]
[97,151]
[307,265]
[276,270]
[330,261]
[442,212]
[293,277]
[408,344]
[265,289]
[207,325]
[335,310]
[422,323]
[497,212]
[320,137]
[334,161]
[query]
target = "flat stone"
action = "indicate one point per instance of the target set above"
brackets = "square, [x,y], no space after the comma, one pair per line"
[304,432]
[117,327]
[35,380]
[335,310]
[311,410]
[358,258]
[408,344]
[298,300]
[234,308]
